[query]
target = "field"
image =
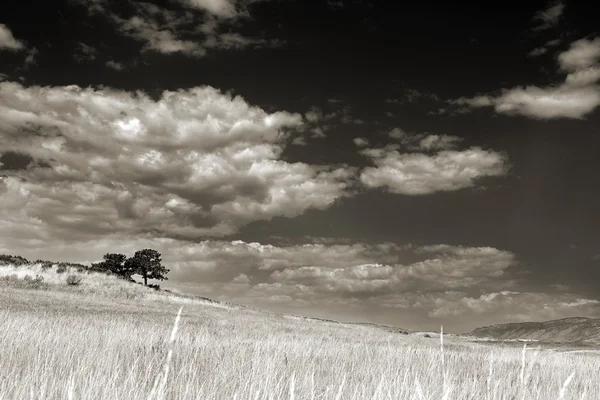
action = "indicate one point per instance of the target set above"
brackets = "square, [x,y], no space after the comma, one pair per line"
[109,339]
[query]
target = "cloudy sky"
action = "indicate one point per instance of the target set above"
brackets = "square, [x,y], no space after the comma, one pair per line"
[355,160]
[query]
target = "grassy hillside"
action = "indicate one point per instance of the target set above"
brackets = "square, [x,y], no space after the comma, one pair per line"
[578,329]
[110,339]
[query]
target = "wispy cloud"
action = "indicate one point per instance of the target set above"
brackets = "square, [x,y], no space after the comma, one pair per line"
[411,95]
[550,16]
[117,66]
[191,27]
[85,52]
[30,59]
[218,8]
[576,97]
[538,51]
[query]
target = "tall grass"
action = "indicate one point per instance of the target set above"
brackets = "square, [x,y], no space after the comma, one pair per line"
[58,344]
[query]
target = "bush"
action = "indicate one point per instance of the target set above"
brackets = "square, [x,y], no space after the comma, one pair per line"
[155,287]
[28,282]
[37,279]
[61,269]
[73,280]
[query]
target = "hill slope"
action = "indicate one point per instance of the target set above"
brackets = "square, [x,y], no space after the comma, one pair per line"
[576,329]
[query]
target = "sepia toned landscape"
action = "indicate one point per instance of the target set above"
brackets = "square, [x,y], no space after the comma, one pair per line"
[299,200]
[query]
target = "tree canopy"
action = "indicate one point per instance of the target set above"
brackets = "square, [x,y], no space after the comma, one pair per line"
[147,263]
[116,264]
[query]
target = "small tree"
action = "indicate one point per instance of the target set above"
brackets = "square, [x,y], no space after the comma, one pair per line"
[147,263]
[116,264]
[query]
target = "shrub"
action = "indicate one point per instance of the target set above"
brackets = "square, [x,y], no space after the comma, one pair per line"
[28,282]
[44,263]
[73,280]
[155,287]
[61,269]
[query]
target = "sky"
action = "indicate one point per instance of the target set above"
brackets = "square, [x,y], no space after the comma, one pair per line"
[410,165]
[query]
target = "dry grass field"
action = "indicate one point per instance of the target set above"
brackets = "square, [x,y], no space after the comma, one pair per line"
[109,339]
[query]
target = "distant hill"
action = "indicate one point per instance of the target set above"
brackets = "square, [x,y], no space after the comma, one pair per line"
[576,329]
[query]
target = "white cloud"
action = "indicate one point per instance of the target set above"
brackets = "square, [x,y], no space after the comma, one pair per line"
[314,115]
[201,26]
[581,55]
[160,40]
[550,16]
[564,101]
[117,66]
[576,97]
[438,142]
[194,162]
[459,269]
[420,174]
[423,141]
[583,77]
[8,41]
[538,51]
[397,133]
[360,142]
[218,8]
[514,306]
[30,59]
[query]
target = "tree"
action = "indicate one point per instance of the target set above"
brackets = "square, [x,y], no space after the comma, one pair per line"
[116,264]
[147,263]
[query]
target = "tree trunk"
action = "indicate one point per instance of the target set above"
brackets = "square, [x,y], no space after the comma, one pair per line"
[145,280]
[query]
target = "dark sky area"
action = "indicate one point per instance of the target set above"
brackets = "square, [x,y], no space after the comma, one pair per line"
[372,161]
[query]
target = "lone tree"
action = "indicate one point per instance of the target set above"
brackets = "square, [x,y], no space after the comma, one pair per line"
[147,263]
[116,264]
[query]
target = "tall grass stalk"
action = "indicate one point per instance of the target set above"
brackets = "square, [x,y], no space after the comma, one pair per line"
[563,389]
[158,389]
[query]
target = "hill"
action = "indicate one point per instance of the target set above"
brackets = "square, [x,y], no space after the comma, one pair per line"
[103,337]
[571,330]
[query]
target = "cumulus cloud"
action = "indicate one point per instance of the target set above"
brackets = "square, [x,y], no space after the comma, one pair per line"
[581,55]
[194,162]
[576,97]
[8,41]
[420,173]
[451,270]
[550,16]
